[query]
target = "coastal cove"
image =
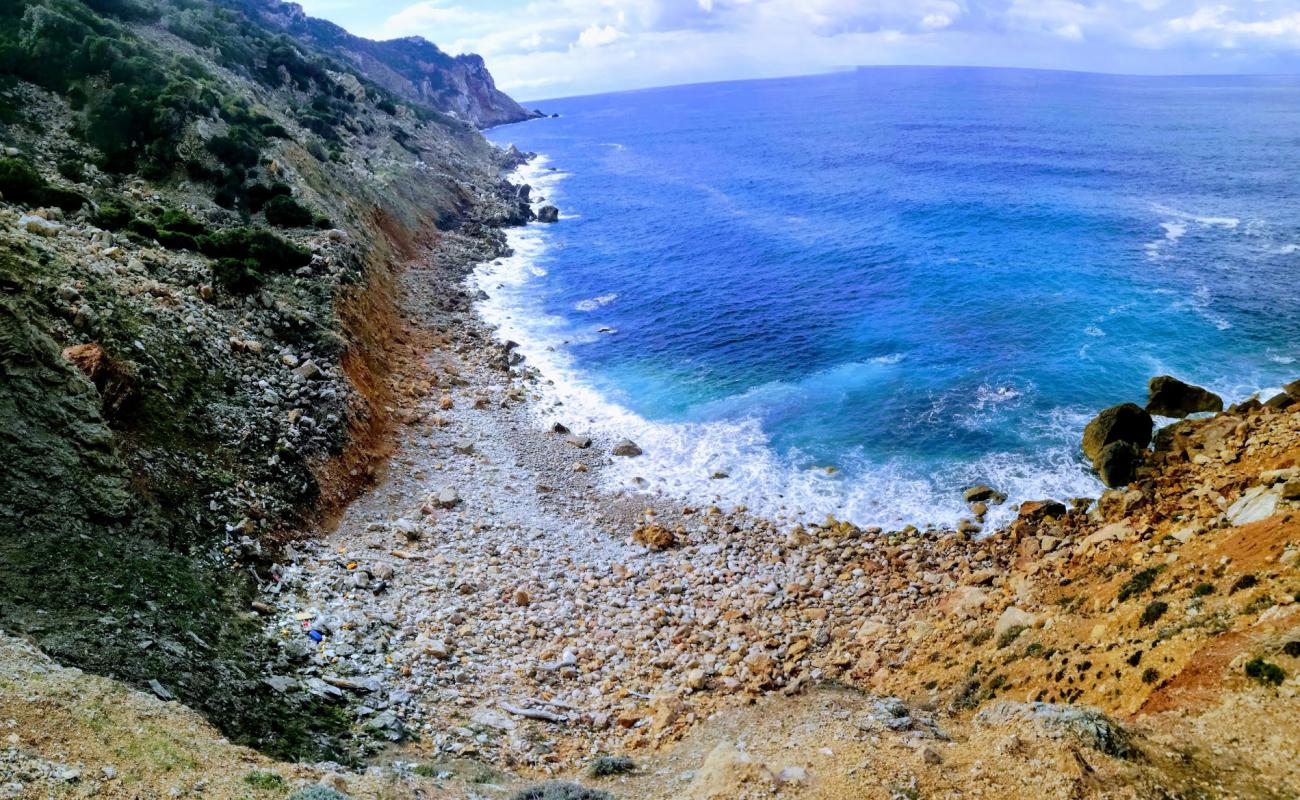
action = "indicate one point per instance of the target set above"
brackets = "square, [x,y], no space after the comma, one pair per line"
[857,294]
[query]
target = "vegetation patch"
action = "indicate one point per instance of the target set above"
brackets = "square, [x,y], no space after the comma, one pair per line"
[1153,612]
[1244,582]
[264,780]
[1265,672]
[283,211]
[604,766]
[1139,583]
[21,183]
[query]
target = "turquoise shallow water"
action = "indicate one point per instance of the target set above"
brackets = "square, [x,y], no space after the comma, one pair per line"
[924,278]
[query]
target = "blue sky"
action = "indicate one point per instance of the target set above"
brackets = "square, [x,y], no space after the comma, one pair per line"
[553,48]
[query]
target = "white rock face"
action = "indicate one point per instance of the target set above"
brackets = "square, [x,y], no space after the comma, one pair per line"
[39,225]
[1256,503]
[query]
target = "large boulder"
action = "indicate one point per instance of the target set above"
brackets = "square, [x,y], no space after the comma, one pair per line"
[1117,465]
[1169,397]
[1123,423]
[548,214]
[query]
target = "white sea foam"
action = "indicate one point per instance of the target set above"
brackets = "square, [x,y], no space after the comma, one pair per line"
[1178,225]
[681,458]
[1223,222]
[596,302]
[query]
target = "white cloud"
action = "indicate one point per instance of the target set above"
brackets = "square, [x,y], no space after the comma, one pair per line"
[599,36]
[552,47]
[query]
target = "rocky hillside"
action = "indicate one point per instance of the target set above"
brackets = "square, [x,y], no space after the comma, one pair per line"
[201,218]
[412,68]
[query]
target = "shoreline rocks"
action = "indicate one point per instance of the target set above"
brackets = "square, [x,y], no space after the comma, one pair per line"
[1169,397]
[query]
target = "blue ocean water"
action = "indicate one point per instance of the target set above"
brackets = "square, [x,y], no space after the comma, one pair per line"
[859,293]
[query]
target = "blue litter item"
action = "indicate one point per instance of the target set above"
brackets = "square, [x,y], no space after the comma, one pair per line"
[315,635]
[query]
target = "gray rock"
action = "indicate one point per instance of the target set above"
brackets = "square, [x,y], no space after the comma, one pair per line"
[1117,465]
[1169,397]
[1280,401]
[627,448]
[1088,726]
[448,497]
[160,690]
[548,214]
[1123,423]
[983,494]
[580,442]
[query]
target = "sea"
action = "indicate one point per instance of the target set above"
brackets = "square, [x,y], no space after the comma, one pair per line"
[857,294]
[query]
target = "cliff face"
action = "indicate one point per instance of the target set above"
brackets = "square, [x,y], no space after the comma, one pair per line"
[200,218]
[412,68]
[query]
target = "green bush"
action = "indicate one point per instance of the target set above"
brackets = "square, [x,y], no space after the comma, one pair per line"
[244,257]
[1203,589]
[175,240]
[143,228]
[270,251]
[1265,672]
[259,194]
[1153,612]
[114,215]
[1244,582]
[178,221]
[238,275]
[558,790]
[283,211]
[1139,583]
[610,765]
[264,780]
[317,793]
[19,182]
[72,168]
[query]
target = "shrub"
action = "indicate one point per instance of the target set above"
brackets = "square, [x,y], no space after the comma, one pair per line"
[264,780]
[113,215]
[175,240]
[317,793]
[143,227]
[610,765]
[1202,589]
[558,790]
[1010,635]
[19,182]
[268,250]
[1265,672]
[1139,583]
[283,211]
[260,194]
[173,219]
[1244,582]
[1150,675]
[245,257]
[387,106]
[1292,648]
[1154,611]
[238,275]
[73,169]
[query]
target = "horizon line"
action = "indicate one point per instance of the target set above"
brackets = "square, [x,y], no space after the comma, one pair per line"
[864,67]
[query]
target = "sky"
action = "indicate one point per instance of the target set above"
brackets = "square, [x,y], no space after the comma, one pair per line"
[540,49]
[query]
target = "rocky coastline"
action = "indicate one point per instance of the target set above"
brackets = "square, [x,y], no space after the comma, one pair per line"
[490,601]
[270,482]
